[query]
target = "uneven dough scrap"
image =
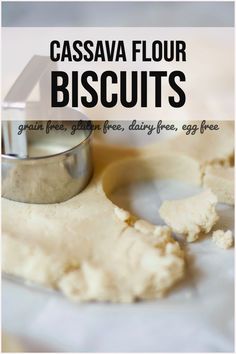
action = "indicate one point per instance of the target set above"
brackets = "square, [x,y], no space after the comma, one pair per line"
[137,271]
[220,180]
[158,236]
[85,248]
[223,239]
[191,216]
[129,267]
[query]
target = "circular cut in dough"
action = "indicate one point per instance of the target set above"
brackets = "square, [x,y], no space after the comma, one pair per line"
[84,249]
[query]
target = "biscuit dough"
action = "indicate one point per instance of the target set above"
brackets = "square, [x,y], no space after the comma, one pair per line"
[220,180]
[88,248]
[191,216]
[223,239]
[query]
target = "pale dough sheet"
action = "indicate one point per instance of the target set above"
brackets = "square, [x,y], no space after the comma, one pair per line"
[83,248]
[211,147]
[220,180]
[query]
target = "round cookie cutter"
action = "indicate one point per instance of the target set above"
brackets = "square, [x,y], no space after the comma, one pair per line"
[46,177]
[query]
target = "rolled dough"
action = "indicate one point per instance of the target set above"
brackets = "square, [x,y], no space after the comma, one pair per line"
[220,179]
[84,249]
[89,249]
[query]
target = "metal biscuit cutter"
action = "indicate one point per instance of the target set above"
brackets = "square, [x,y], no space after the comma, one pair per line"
[62,167]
